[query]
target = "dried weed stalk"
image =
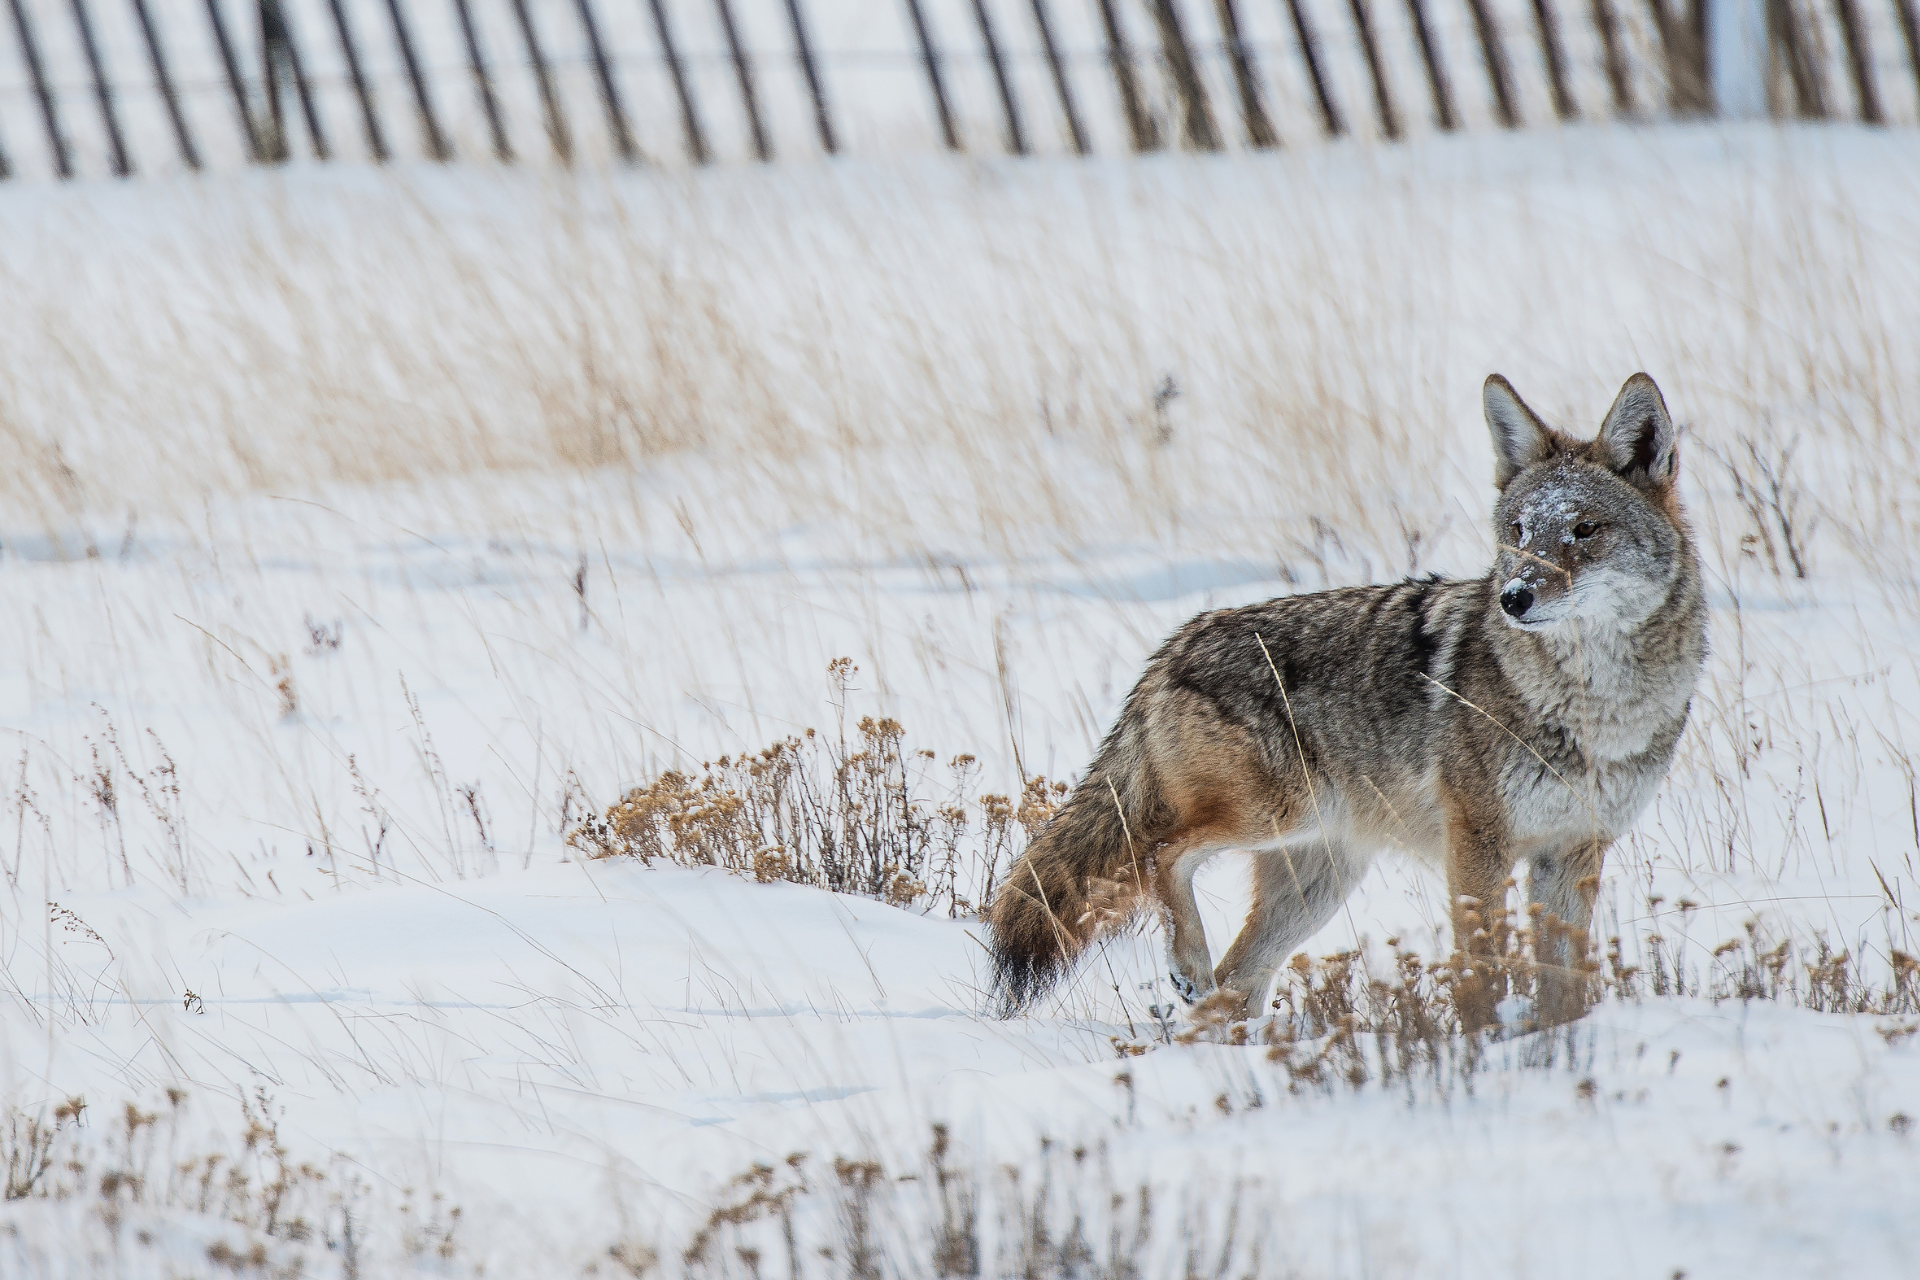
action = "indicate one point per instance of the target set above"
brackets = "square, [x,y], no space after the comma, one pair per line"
[1772,497]
[1068,1216]
[287,1212]
[1336,1021]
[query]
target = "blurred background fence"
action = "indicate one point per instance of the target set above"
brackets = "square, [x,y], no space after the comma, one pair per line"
[123,87]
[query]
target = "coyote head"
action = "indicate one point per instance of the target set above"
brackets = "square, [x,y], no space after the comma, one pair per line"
[1589,530]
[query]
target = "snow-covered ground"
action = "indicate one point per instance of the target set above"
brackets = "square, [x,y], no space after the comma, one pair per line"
[364,528]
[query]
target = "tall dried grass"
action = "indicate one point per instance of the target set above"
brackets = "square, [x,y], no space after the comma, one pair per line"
[941,352]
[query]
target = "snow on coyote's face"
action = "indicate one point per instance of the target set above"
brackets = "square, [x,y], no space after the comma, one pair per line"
[1587,530]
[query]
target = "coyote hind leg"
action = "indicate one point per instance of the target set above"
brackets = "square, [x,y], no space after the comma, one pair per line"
[1217,795]
[1295,892]
[1178,861]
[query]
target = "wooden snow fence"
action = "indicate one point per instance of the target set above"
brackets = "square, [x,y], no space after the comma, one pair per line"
[123,87]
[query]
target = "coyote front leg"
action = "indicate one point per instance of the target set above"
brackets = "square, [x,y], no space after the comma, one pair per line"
[1560,893]
[1479,862]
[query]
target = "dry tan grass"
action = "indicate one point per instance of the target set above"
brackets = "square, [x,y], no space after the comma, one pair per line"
[937,351]
[263,1211]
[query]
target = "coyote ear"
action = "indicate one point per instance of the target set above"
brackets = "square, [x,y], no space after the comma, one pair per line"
[1520,439]
[1638,439]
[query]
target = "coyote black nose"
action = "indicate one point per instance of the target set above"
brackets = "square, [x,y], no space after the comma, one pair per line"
[1516,600]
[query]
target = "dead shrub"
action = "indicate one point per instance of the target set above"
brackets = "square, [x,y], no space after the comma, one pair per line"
[860,814]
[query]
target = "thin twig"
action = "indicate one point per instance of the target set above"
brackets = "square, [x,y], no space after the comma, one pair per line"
[1312,797]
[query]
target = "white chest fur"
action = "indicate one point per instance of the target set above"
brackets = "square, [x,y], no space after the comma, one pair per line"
[1599,693]
[1551,806]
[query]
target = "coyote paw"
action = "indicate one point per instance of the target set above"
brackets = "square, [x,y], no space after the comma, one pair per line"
[1183,986]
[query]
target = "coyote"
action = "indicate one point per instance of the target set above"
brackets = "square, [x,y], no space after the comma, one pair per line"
[1525,715]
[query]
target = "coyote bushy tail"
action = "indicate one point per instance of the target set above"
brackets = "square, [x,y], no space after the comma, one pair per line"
[1084,875]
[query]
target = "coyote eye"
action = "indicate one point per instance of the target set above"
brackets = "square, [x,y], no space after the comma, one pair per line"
[1516,531]
[1585,529]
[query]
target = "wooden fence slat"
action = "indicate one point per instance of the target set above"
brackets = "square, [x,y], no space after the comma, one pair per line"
[483,82]
[438,148]
[1547,24]
[1683,44]
[1606,26]
[1009,107]
[1196,113]
[1062,87]
[1331,121]
[362,91]
[1910,31]
[743,75]
[236,83]
[609,91]
[559,136]
[1853,33]
[277,45]
[42,91]
[1382,98]
[1246,78]
[1795,47]
[274,140]
[316,130]
[1494,54]
[1698,65]
[816,86]
[102,92]
[1445,118]
[1142,129]
[936,82]
[689,110]
[163,77]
